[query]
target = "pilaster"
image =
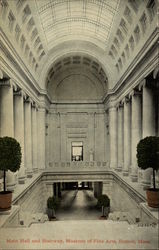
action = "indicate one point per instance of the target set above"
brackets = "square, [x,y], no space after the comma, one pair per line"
[135,131]
[19,129]
[34,111]
[127,136]
[120,138]
[6,120]
[113,136]
[28,137]
[41,138]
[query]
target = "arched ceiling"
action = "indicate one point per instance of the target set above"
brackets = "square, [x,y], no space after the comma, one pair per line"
[76,76]
[63,20]
[75,26]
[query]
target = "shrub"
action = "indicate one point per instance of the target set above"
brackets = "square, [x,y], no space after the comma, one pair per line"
[103,201]
[52,202]
[10,155]
[148,154]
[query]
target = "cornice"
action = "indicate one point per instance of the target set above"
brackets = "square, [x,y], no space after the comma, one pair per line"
[146,49]
[16,60]
[140,58]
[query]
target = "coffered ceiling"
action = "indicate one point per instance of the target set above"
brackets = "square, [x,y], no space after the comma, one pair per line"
[89,20]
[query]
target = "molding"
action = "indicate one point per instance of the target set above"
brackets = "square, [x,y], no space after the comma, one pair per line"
[140,58]
[16,61]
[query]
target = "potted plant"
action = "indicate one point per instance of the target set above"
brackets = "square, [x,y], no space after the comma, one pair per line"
[148,157]
[10,159]
[52,204]
[104,203]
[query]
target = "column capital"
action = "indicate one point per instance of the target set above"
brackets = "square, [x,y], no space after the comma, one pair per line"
[1,74]
[134,93]
[126,99]
[35,105]
[21,93]
[112,108]
[9,83]
[42,110]
[142,84]
[156,72]
[28,99]
[119,105]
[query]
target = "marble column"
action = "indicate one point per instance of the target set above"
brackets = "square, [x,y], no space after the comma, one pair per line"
[148,121]
[19,129]
[47,141]
[135,131]
[7,120]
[113,136]
[28,137]
[34,138]
[120,138]
[41,138]
[91,136]
[127,136]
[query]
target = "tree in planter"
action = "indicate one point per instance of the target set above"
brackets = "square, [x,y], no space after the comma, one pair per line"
[148,157]
[10,159]
[104,202]
[52,204]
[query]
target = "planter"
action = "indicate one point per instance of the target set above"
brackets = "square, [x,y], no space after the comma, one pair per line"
[5,200]
[153,197]
[51,214]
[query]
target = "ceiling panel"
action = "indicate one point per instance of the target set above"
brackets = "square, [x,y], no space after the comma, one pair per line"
[62,18]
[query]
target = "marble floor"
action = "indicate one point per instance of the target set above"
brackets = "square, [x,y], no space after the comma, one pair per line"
[78,226]
[79,234]
[78,205]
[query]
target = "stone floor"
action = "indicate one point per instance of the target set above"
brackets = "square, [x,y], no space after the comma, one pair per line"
[83,234]
[79,227]
[78,205]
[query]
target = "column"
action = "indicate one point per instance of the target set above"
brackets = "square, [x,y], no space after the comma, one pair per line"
[127,136]
[120,138]
[34,137]
[148,121]
[7,121]
[59,189]
[47,139]
[41,138]
[135,131]
[113,136]
[63,137]
[19,129]
[28,137]
[91,136]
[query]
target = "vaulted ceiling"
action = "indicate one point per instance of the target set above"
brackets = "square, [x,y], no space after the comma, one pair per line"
[101,36]
[63,20]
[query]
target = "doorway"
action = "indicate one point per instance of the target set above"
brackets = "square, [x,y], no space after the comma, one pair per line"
[77,151]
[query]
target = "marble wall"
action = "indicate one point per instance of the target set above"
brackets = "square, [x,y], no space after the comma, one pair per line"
[67,126]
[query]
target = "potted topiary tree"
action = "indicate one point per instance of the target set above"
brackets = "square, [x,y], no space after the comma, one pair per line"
[52,204]
[104,203]
[148,157]
[10,159]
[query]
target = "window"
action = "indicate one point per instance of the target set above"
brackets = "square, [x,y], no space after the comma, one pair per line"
[77,151]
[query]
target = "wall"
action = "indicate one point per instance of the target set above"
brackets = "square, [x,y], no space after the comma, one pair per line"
[85,124]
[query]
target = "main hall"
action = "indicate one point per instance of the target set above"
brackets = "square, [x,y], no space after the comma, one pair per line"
[79,88]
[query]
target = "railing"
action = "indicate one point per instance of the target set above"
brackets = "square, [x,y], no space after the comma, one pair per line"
[78,166]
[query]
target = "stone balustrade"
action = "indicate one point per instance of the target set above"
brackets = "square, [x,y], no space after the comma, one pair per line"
[79,165]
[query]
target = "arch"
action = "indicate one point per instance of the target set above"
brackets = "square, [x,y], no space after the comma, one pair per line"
[76,47]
